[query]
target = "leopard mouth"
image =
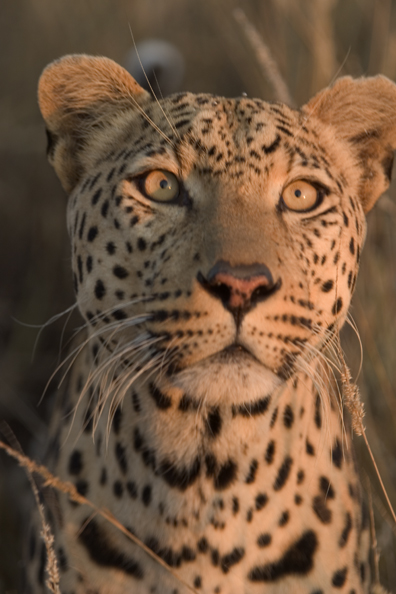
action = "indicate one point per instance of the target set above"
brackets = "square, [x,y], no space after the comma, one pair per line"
[235,352]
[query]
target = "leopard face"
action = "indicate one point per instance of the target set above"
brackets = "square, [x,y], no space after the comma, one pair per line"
[215,250]
[153,260]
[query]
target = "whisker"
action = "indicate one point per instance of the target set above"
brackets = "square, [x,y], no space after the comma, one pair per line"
[172,127]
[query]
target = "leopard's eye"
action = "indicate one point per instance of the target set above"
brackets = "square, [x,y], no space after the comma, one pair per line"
[160,185]
[300,196]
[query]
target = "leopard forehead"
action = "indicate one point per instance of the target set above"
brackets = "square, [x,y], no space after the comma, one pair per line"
[232,137]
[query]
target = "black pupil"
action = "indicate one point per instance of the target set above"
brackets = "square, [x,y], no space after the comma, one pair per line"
[297,193]
[164,184]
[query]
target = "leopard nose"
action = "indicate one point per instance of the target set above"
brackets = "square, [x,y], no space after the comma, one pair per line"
[239,288]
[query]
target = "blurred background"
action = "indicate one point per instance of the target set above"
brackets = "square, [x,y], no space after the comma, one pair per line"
[312,42]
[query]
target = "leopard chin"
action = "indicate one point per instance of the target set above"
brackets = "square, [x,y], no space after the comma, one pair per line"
[231,376]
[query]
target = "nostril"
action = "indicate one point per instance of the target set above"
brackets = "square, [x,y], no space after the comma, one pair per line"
[261,292]
[222,291]
[216,288]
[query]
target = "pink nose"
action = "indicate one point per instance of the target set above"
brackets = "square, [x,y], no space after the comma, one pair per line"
[239,288]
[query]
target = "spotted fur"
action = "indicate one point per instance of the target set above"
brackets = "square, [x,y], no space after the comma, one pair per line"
[200,407]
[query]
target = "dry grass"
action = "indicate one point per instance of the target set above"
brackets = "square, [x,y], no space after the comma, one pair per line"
[310,43]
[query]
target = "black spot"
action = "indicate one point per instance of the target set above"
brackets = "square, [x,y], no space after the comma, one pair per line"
[146,495]
[186,403]
[225,476]
[235,505]
[261,501]
[203,545]
[132,489]
[326,488]
[120,272]
[215,557]
[213,422]
[103,477]
[288,416]
[101,551]
[141,243]
[274,417]
[318,412]
[231,558]
[110,248]
[162,401]
[118,489]
[137,440]
[352,246]
[267,149]
[327,286]
[96,196]
[210,462]
[180,478]
[75,463]
[337,306]
[264,540]
[136,402]
[92,233]
[298,559]
[346,531]
[110,174]
[197,582]
[321,510]
[336,454]
[119,314]
[89,264]
[82,487]
[252,472]
[300,477]
[339,577]
[252,409]
[121,457]
[100,289]
[80,269]
[270,452]
[105,208]
[283,473]
[309,448]
[82,225]
[117,418]
[285,517]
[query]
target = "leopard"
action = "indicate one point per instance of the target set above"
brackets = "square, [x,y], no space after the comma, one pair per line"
[215,246]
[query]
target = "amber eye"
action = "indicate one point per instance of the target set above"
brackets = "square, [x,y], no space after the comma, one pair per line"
[160,185]
[300,195]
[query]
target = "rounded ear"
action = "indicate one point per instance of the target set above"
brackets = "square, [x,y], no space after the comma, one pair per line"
[79,95]
[363,113]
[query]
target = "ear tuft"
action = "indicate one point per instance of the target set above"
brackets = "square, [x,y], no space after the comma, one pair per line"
[363,113]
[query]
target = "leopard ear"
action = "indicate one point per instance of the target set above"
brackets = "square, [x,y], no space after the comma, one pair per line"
[78,96]
[363,113]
